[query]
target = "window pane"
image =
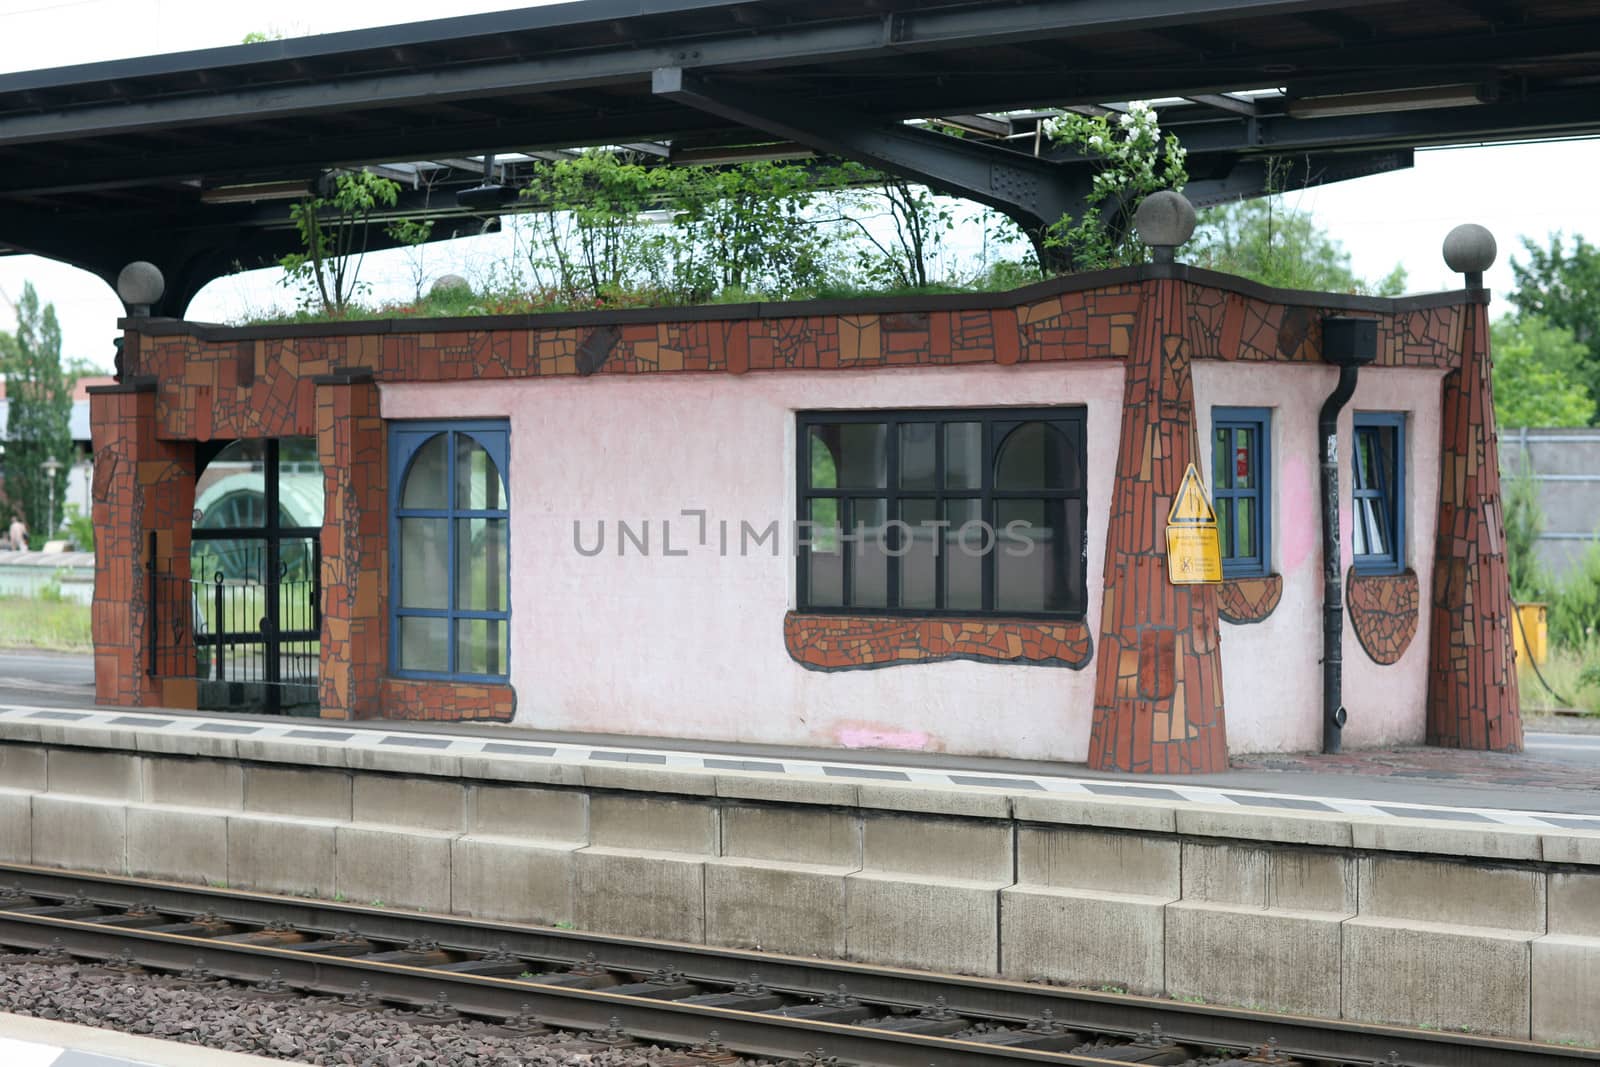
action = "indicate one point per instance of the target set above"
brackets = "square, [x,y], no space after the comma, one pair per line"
[482,570]
[424,644]
[1375,527]
[479,486]
[1366,459]
[824,561]
[963,455]
[920,561]
[300,488]
[1245,531]
[425,563]
[859,452]
[1036,558]
[963,561]
[1219,459]
[1035,455]
[481,646]
[1244,458]
[1224,509]
[426,484]
[917,456]
[869,579]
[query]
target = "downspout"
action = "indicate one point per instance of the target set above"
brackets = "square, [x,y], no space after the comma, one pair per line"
[1348,344]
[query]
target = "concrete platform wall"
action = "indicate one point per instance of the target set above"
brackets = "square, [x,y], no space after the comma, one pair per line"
[1415,922]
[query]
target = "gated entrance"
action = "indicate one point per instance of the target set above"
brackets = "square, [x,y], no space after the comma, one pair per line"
[246,621]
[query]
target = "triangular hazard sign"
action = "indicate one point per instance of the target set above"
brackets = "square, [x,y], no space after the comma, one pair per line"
[1190,506]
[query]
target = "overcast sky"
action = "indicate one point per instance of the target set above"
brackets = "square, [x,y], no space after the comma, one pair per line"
[1516,190]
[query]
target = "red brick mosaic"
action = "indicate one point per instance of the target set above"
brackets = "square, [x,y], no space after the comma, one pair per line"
[854,642]
[1236,327]
[1158,681]
[1472,680]
[1246,600]
[409,698]
[1383,612]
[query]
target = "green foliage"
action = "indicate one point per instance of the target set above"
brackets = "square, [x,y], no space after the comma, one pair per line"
[38,427]
[903,256]
[29,622]
[1267,241]
[1575,607]
[1134,160]
[1561,285]
[1539,373]
[1524,521]
[80,528]
[749,227]
[333,234]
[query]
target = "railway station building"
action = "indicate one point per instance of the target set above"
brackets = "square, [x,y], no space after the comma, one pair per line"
[932,523]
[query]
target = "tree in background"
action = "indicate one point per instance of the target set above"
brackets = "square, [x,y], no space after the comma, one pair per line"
[39,425]
[333,234]
[1539,373]
[1561,284]
[1267,241]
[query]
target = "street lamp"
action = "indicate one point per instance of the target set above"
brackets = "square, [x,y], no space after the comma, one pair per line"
[50,467]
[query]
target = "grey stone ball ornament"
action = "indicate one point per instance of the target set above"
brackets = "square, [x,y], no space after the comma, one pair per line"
[140,284]
[1469,249]
[1164,221]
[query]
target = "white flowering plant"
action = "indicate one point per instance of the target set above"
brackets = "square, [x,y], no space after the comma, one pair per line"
[1134,160]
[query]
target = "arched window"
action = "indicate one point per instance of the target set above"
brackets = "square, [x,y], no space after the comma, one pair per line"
[449,563]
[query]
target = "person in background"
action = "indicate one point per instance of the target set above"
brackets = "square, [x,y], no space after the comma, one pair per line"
[18,536]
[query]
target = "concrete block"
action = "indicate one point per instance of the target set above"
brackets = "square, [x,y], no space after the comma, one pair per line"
[293,753]
[22,767]
[1437,975]
[776,907]
[1313,881]
[640,778]
[1084,938]
[933,924]
[1571,847]
[647,894]
[79,832]
[1242,956]
[14,731]
[72,735]
[1439,838]
[823,836]
[514,769]
[402,868]
[310,794]
[178,845]
[79,772]
[756,785]
[1250,824]
[1092,859]
[412,803]
[1269,878]
[16,827]
[528,813]
[281,854]
[1566,988]
[1574,904]
[1451,893]
[512,879]
[188,743]
[656,824]
[413,763]
[936,800]
[936,847]
[193,783]
[1102,812]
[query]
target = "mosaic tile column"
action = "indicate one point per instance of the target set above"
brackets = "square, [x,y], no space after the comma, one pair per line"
[352,446]
[142,484]
[1158,685]
[1472,676]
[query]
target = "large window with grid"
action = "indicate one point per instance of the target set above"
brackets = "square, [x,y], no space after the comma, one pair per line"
[449,535]
[1378,512]
[1241,486]
[950,512]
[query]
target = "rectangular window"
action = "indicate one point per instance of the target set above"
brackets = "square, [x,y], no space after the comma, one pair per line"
[950,512]
[1241,484]
[449,566]
[1379,492]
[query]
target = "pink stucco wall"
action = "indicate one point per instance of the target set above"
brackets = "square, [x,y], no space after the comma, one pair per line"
[692,645]
[1272,670]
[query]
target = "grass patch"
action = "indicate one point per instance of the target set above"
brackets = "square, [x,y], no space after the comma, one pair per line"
[55,625]
[1573,672]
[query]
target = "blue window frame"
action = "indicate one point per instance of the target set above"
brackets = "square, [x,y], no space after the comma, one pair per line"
[1241,480]
[1378,504]
[449,537]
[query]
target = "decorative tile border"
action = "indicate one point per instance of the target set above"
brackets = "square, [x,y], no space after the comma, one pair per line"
[856,642]
[1243,601]
[1383,612]
[410,698]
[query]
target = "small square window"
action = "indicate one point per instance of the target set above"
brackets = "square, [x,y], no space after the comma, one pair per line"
[1378,497]
[1241,486]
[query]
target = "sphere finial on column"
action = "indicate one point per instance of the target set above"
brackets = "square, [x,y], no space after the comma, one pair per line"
[1470,249]
[140,285]
[1164,221]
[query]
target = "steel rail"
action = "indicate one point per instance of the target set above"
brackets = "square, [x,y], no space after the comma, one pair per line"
[1003,1000]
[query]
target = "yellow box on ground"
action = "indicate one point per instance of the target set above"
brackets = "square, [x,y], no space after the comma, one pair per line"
[1531,633]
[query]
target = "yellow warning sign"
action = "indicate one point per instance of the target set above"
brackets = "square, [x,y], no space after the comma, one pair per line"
[1190,505]
[1194,556]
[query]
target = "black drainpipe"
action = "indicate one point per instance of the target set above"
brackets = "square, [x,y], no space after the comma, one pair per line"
[1348,344]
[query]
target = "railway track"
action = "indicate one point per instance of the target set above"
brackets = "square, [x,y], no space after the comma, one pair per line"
[620,988]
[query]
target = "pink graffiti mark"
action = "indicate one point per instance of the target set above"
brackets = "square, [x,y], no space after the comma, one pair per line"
[1299,530]
[868,737]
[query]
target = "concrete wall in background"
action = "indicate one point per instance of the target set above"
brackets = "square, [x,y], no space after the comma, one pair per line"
[1566,463]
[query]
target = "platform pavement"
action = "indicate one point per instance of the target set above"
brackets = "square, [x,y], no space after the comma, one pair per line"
[30,1042]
